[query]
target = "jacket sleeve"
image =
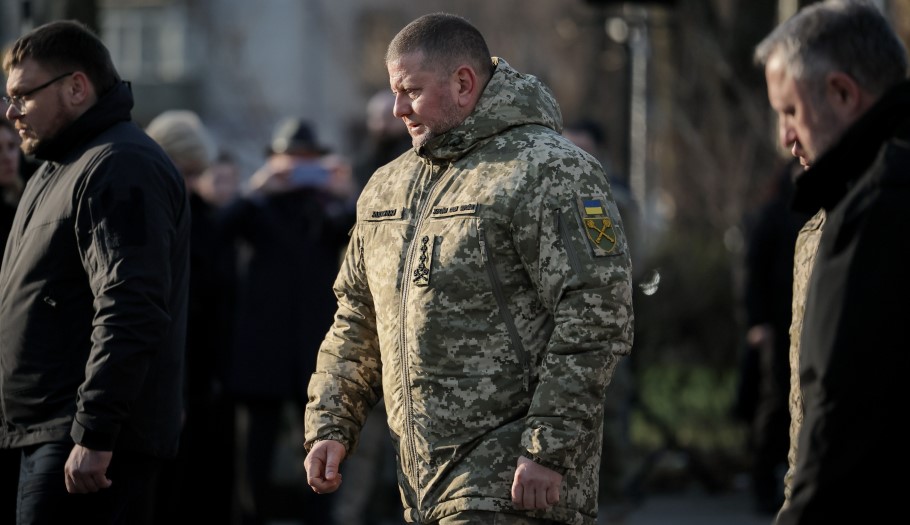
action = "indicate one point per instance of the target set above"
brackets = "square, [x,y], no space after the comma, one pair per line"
[348,377]
[570,236]
[126,233]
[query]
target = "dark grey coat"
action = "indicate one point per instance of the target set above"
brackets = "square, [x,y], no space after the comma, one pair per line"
[853,348]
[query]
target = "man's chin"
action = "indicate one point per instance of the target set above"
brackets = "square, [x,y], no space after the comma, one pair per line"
[421,139]
[29,146]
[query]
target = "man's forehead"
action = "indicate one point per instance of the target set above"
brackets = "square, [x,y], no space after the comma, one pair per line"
[776,66]
[408,64]
[20,74]
[779,78]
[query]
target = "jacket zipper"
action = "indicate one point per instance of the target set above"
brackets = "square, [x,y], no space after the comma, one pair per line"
[570,250]
[402,338]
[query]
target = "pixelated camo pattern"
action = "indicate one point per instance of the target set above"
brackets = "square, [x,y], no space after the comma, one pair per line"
[806,249]
[473,299]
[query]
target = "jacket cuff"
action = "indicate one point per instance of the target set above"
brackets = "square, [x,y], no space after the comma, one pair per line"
[330,436]
[536,459]
[92,439]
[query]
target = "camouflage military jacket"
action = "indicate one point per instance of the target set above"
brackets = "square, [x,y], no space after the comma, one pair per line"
[486,295]
[803,259]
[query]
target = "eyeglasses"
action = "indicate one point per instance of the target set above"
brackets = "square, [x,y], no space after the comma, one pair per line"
[18,101]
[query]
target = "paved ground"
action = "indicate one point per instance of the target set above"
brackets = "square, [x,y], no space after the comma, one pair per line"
[695,508]
[691,508]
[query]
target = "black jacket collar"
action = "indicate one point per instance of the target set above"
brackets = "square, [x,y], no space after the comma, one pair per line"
[113,106]
[828,180]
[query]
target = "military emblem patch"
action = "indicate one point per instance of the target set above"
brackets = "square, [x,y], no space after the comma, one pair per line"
[597,224]
[421,274]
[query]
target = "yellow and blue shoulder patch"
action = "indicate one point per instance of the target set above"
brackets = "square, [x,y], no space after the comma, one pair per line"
[597,224]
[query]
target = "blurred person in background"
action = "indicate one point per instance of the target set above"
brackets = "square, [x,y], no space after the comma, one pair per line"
[590,135]
[93,297]
[485,296]
[206,441]
[836,75]
[289,229]
[386,137]
[11,183]
[10,191]
[220,184]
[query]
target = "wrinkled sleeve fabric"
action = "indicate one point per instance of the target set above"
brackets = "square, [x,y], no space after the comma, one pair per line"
[125,232]
[589,295]
[348,377]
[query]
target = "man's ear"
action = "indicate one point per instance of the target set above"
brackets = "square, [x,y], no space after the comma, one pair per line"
[845,96]
[465,85]
[80,89]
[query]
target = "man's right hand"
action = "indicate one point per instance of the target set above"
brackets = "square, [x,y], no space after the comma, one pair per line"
[86,470]
[322,464]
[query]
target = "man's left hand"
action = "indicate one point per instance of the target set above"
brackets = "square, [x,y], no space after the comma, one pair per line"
[535,486]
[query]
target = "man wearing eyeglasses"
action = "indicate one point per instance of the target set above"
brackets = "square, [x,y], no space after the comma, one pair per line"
[93,289]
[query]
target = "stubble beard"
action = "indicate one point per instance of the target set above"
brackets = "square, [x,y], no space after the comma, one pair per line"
[432,130]
[60,121]
[29,145]
[830,130]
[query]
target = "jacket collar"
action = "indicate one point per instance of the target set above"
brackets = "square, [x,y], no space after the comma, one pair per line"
[509,99]
[112,107]
[836,171]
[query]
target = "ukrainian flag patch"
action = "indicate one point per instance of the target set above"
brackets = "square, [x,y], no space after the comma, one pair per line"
[598,226]
[593,207]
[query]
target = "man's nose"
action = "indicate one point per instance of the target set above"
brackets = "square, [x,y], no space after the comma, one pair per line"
[402,106]
[787,136]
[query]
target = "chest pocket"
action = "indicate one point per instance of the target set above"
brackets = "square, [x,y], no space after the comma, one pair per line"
[448,255]
[383,246]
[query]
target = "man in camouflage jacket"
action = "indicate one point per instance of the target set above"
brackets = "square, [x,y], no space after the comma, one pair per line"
[485,295]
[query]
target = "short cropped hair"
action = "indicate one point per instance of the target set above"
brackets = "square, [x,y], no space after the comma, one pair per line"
[851,36]
[62,46]
[445,40]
